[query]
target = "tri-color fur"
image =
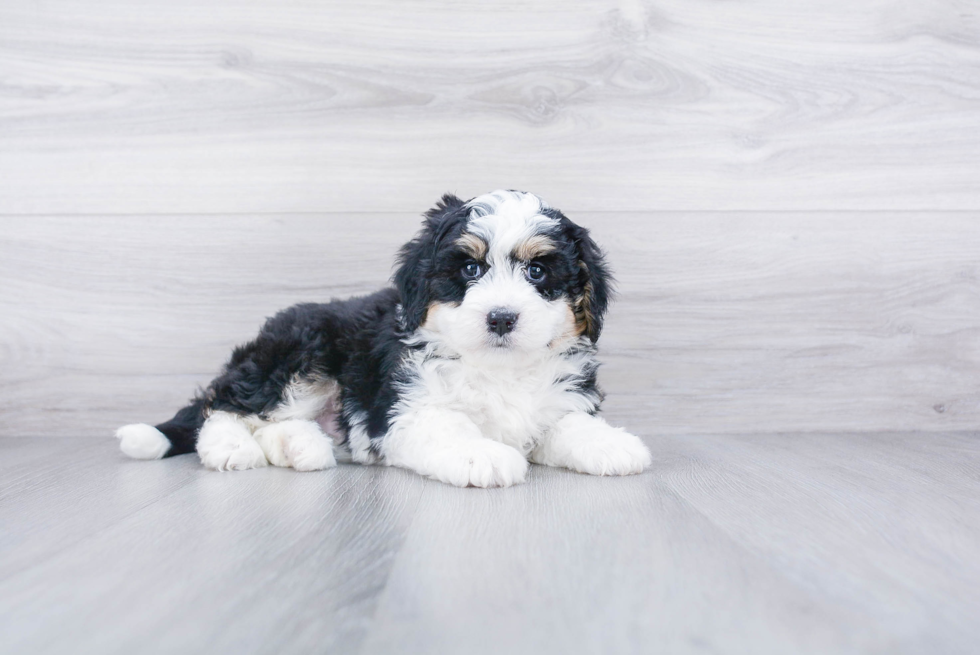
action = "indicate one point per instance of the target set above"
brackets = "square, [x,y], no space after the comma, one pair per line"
[480,358]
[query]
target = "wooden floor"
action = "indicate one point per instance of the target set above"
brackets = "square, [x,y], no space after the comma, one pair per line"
[788,192]
[822,543]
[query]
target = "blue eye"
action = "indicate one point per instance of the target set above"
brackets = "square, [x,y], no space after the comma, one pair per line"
[472,270]
[535,272]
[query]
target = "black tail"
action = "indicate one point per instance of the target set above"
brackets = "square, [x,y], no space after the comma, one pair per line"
[182,429]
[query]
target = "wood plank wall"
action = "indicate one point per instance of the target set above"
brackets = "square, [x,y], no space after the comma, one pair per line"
[789,192]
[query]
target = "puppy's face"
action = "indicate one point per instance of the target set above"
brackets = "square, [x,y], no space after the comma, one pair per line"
[502,276]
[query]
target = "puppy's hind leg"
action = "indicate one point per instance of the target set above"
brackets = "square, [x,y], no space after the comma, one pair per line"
[299,444]
[225,443]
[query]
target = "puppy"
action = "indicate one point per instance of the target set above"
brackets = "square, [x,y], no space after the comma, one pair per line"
[481,358]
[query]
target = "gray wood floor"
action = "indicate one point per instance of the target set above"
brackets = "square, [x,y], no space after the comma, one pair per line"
[734,544]
[789,193]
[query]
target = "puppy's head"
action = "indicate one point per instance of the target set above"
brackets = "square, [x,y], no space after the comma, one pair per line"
[502,275]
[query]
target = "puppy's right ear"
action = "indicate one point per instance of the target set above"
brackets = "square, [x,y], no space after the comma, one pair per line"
[416,259]
[447,206]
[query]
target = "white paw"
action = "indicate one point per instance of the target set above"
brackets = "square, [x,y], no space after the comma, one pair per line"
[477,463]
[142,441]
[226,444]
[299,444]
[624,456]
[588,444]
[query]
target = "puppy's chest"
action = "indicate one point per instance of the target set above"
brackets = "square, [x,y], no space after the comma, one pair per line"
[513,407]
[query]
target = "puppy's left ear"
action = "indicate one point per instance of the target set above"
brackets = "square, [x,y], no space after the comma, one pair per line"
[595,282]
[416,259]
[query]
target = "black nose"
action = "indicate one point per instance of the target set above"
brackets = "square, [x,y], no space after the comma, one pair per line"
[501,321]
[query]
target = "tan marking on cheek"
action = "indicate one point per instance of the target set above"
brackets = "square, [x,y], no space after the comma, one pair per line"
[583,317]
[570,328]
[432,313]
[534,246]
[472,245]
[571,324]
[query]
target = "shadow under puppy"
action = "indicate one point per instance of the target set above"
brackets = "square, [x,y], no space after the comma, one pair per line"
[481,358]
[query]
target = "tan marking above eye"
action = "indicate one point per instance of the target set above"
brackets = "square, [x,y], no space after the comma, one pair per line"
[472,245]
[534,246]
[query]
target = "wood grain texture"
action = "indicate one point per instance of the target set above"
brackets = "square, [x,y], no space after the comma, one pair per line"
[267,562]
[731,544]
[779,543]
[247,106]
[725,322]
[57,525]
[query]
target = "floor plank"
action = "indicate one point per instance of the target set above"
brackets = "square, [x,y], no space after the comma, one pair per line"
[244,106]
[265,562]
[730,544]
[882,527]
[759,543]
[91,473]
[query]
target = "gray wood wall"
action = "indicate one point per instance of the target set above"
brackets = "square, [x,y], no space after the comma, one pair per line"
[789,192]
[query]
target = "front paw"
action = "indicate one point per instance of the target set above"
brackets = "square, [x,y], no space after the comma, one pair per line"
[588,444]
[623,455]
[478,463]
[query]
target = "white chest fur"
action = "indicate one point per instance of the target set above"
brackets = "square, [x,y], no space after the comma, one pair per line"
[512,404]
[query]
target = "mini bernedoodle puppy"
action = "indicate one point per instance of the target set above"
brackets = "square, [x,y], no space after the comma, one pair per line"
[481,358]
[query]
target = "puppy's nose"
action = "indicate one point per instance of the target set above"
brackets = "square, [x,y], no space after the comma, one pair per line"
[501,321]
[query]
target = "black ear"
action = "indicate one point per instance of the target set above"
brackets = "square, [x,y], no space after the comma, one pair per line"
[416,259]
[595,281]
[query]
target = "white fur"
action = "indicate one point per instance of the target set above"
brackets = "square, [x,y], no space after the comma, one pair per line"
[142,441]
[514,402]
[306,400]
[225,443]
[301,445]
[358,440]
[504,204]
[588,444]
[447,446]
[516,217]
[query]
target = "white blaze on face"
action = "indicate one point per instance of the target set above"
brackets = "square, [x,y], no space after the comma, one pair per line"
[513,219]
[505,221]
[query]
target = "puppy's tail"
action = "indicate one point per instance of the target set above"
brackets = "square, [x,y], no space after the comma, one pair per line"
[175,437]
